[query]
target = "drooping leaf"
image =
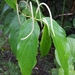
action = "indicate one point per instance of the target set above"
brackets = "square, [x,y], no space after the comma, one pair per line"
[61,45]
[46,42]
[57,58]
[27,49]
[11,3]
[14,32]
[8,19]
[72,46]
[5,8]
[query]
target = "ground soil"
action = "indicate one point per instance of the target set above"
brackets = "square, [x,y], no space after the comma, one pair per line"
[43,67]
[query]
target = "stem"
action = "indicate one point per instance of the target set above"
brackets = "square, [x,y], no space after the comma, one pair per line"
[49,14]
[18,14]
[62,13]
[39,12]
[32,24]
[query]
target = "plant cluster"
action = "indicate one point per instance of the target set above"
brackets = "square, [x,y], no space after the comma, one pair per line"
[24,30]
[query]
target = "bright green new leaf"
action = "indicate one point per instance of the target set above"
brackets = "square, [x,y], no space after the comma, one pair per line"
[46,42]
[14,32]
[11,3]
[27,49]
[72,46]
[61,45]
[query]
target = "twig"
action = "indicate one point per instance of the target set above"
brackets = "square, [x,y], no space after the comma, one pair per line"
[66,14]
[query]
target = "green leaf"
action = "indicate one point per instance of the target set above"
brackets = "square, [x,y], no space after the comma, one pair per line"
[5,8]
[61,45]
[27,49]
[14,32]
[72,36]
[34,0]
[72,46]
[57,58]
[8,19]
[54,71]
[61,72]
[74,22]
[26,11]
[46,42]
[67,25]
[11,3]
[1,26]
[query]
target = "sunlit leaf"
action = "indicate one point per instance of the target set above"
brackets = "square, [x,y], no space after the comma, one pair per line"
[61,45]
[27,49]
[46,42]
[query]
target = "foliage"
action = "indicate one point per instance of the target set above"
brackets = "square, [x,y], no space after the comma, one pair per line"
[23,28]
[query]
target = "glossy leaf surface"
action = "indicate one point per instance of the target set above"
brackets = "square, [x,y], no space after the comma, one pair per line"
[46,42]
[61,45]
[27,49]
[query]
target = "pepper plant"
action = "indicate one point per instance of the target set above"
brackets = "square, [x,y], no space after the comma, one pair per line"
[22,25]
